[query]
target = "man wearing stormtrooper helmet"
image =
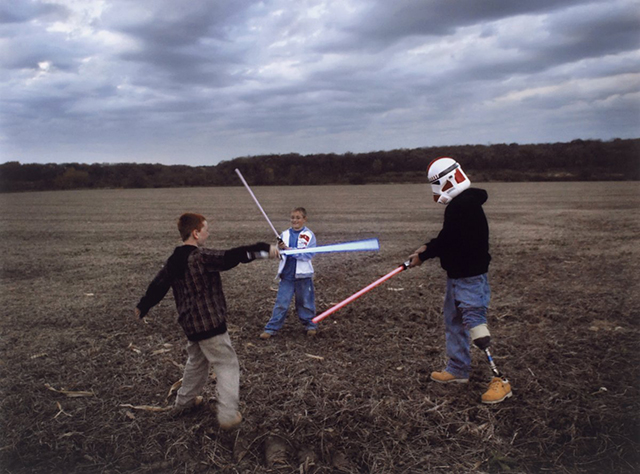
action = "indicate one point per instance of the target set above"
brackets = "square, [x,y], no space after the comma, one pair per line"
[463,248]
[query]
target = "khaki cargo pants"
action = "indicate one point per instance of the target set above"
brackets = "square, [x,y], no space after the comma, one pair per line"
[218,352]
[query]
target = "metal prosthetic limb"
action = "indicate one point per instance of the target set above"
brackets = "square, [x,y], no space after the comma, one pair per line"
[494,369]
[482,339]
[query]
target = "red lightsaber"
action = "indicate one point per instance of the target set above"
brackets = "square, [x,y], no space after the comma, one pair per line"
[357,295]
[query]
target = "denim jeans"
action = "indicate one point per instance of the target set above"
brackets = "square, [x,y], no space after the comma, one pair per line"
[305,304]
[465,307]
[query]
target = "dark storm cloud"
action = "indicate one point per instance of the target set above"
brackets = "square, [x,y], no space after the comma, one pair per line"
[160,80]
[31,50]
[185,41]
[12,11]
[381,22]
[569,40]
[163,66]
[173,24]
[610,32]
[19,21]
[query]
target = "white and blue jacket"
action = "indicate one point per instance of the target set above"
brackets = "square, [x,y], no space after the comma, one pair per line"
[306,239]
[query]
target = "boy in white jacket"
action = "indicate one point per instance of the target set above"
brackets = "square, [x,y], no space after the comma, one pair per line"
[296,277]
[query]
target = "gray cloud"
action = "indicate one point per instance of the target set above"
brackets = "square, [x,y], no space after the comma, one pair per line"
[384,22]
[22,12]
[200,81]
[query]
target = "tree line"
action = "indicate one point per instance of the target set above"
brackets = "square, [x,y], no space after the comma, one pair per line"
[578,160]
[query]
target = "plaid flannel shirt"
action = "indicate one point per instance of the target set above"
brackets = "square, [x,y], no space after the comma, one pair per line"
[193,273]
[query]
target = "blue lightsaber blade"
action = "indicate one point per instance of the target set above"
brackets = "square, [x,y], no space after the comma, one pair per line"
[355,246]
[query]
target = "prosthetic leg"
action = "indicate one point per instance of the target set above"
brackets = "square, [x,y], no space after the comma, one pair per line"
[499,388]
[482,339]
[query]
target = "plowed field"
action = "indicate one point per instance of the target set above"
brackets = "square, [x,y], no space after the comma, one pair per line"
[80,375]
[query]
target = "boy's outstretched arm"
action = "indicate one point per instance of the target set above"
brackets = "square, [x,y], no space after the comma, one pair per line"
[225,260]
[157,290]
[274,252]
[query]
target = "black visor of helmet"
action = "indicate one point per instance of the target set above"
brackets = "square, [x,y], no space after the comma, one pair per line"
[436,179]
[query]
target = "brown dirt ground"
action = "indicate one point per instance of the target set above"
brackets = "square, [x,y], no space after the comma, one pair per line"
[564,319]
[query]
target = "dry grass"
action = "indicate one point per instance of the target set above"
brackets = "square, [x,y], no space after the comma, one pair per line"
[564,317]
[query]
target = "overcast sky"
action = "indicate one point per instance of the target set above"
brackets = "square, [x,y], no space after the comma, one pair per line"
[200,81]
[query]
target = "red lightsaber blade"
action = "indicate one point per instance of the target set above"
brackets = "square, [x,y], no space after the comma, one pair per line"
[357,295]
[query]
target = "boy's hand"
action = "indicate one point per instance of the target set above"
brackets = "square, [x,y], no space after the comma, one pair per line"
[273,251]
[414,258]
[144,319]
[282,245]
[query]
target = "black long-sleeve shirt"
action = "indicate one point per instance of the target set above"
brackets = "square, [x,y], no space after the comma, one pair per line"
[194,275]
[463,243]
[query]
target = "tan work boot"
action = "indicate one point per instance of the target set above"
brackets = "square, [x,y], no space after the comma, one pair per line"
[265,335]
[499,390]
[229,424]
[311,333]
[446,377]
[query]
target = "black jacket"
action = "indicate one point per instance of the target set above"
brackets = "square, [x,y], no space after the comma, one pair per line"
[463,243]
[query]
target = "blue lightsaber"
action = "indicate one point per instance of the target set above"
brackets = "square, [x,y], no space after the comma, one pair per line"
[355,246]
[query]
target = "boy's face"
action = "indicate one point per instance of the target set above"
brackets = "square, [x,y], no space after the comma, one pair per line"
[297,220]
[203,233]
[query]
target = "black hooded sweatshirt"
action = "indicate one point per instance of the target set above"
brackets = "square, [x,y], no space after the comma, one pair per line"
[463,243]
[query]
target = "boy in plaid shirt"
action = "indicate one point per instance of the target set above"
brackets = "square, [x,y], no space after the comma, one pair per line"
[193,273]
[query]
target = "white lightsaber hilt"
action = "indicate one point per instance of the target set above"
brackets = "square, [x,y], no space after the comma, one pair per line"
[255,199]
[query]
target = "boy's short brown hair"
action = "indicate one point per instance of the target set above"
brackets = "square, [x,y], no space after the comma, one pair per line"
[301,210]
[188,222]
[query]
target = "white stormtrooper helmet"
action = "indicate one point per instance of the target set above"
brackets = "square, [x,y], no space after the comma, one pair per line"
[447,179]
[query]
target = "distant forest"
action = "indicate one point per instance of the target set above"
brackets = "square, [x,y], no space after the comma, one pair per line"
[578,160]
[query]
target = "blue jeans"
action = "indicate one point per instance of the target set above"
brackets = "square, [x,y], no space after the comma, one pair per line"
[465,307]
[305,304]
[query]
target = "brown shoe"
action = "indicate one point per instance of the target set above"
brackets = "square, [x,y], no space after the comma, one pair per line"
[265,335]
[446,377]
[229,424]
[499,390]
[312,333]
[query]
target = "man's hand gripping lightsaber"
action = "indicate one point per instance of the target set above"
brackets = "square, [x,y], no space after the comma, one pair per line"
[366,289]
[246,185]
